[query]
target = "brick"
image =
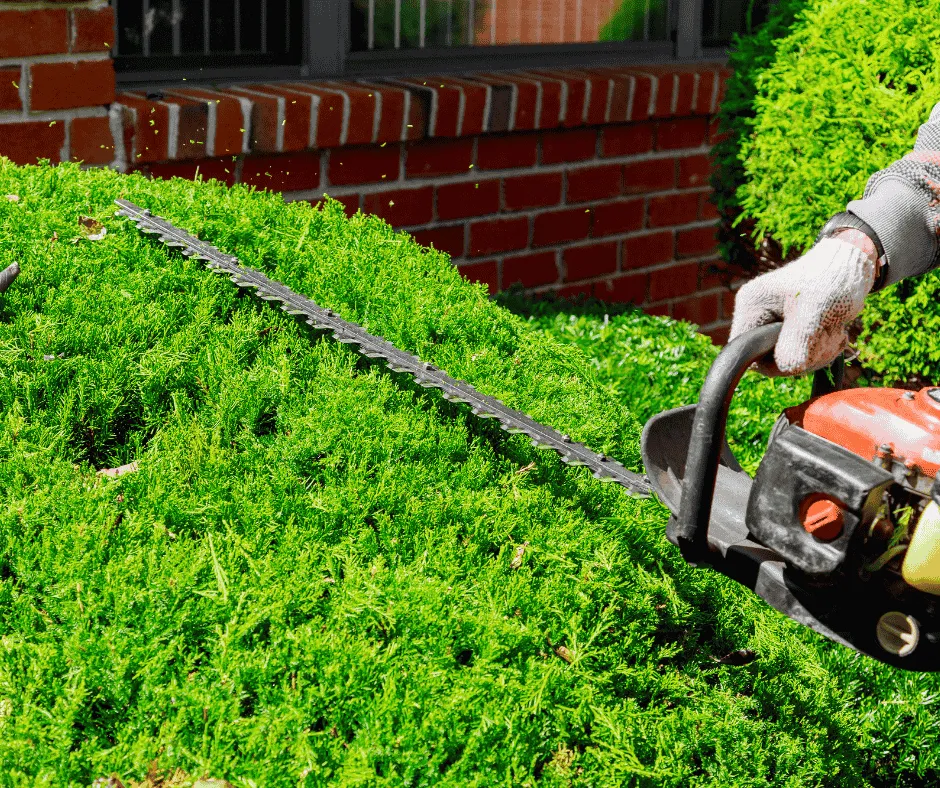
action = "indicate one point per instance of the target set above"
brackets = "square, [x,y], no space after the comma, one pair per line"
[442,101]
[363,165]
[613,218]
[67,85]
[191,141]
[431,158]
[706,91]
[662,106]
[475,100]
[532,191]
[694,170]
[392,113]
[222,170]
[640,251]
[362,106]
[485,271]
[507,152]
[627,140]
[671,210]
[446,239]
[594,183]
[93,29]
[642,91]
[391,109]
[701,310]
[565,146]
[707,209]
[285,173]
[696,242]
[685,97]
[681,133]
[91,141]
[523,98]
[597,99]
[24,143]
[674,281]
[329,113]
[619,108]
[471,198]
[229,120]
[402,207]
[498,235]
[530,270]
[40,32]
[629,289]
[649,176]
[554,227]
[577,94]
[267,117]
[146,129]
[550,116]
[587,262]
[10,79]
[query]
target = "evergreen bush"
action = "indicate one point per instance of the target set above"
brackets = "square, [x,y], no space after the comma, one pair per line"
[310,579]
[837,97]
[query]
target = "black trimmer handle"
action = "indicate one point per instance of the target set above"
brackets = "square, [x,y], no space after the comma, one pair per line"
[708,431]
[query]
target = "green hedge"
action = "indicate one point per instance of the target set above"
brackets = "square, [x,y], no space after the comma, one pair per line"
[838,97]
[309,580]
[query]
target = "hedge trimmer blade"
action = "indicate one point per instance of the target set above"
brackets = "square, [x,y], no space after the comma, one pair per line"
[427,375]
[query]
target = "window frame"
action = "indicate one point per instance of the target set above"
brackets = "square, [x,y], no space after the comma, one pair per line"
[326,54]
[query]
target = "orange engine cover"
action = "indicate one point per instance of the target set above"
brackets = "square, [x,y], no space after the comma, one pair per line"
[862,420]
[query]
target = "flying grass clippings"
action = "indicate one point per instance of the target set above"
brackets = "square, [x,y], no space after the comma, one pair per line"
[426,375]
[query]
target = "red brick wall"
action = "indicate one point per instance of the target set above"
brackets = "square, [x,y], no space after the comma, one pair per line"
[574,181]
[56,81]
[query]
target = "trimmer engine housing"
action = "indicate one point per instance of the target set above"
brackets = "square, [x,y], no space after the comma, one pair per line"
[840,527]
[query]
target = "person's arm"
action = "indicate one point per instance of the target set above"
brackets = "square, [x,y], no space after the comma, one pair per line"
[901,203]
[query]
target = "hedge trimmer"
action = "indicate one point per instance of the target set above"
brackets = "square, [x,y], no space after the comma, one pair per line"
[840,527]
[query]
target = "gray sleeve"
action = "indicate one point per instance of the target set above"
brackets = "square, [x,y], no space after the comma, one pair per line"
[902,205]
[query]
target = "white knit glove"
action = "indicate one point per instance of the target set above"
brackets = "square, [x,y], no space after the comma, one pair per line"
[816,297]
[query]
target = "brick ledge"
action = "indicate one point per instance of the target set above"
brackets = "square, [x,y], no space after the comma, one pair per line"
[188,123]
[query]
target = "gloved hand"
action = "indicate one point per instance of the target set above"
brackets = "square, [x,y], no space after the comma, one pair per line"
[816,297]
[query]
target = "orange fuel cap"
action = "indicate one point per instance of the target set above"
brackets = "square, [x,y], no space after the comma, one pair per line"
[822,516]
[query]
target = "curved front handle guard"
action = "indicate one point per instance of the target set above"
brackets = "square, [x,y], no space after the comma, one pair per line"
[708,431]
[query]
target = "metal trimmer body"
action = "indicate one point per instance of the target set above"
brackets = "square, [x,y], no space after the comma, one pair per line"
[823,533]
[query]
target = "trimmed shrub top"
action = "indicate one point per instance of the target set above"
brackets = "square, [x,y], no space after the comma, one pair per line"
[837,97]
[323,574]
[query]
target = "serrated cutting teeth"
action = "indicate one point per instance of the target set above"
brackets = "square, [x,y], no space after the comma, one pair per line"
[425,374]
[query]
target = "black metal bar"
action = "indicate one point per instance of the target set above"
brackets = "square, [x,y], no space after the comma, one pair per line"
[426,375]
[238,27]
[145,31]
[264,26]
[175,21]
[689,29]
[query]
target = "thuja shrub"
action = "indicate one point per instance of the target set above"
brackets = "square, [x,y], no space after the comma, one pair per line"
[323,574]
[841,97]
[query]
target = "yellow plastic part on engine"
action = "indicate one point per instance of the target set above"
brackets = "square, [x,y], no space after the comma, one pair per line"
[921,567]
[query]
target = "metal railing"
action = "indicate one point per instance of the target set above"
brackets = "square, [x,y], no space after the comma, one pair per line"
[423,24]
[155,35]
[230,40]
